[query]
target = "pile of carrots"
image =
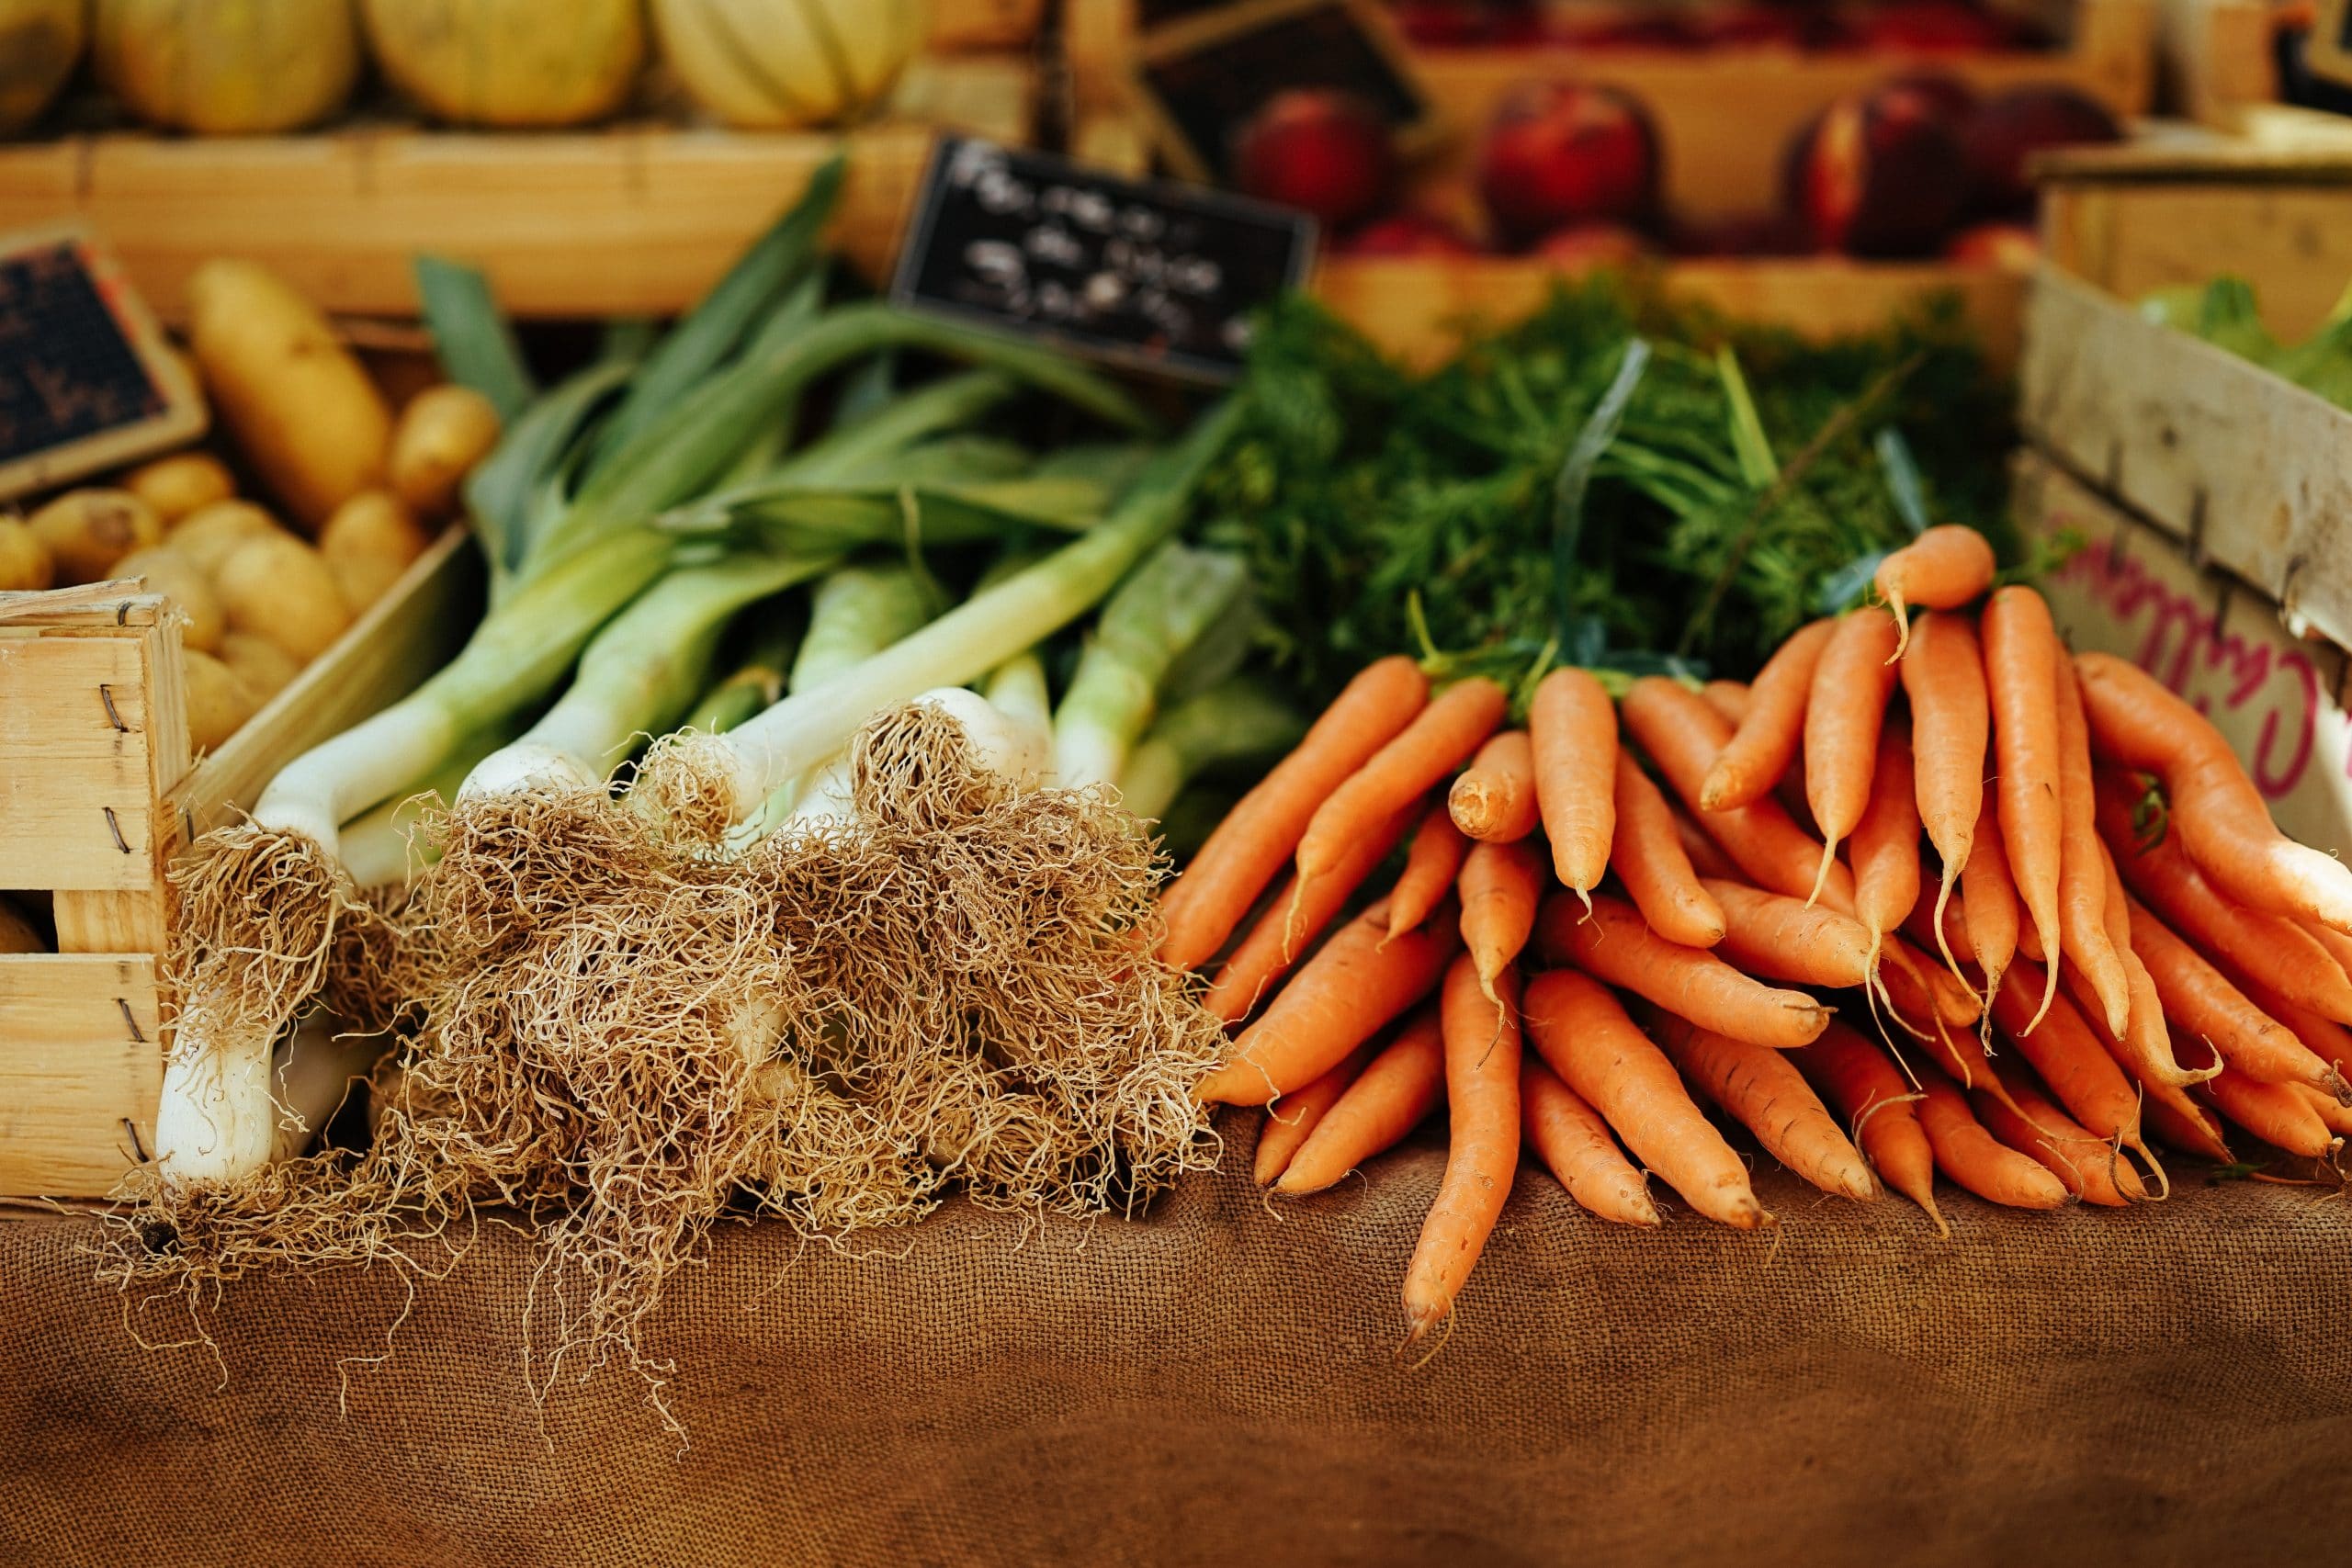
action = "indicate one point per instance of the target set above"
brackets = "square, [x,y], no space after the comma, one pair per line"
[1799,901]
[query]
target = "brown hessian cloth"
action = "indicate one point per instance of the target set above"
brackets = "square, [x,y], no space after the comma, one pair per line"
[2170,1384]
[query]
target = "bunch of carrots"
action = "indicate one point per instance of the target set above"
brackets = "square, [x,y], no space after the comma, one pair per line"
[1721,896]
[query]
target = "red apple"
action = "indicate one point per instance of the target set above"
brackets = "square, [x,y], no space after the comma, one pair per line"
[1560,154]
[1932,26]
[2008,130]
[2012,247]
[1323,151]
[1581,247]
[1952,98]
[1441,24]
[1409,234]
[1881,174]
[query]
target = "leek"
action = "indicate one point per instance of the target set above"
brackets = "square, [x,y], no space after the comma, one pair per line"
[1237,722]
[1165,606]
[755,683]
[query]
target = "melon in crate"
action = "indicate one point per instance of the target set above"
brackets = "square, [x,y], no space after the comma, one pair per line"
[510,63]
[39,42]
[228,67]
[785,64]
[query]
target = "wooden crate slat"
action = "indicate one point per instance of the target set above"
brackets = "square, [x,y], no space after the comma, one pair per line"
[77,792]
[968,26]
[74,1070]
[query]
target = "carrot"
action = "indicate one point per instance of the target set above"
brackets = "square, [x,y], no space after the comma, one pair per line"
[1574,727]
[1430,866]
[2069,1151]
[2325,1038]
[1289,1124]
[1946,995]
[1952,722]
[1977,1160]
[1682,736]
[1886,847]
[2216,809]
[1400,1085]
[1844,712]
[1291,923]
[2082,871]
[1765,740]
[2188,1127]
[2165,1105]
[1916,988]
[1440,739]
[1501,885]
[1494,800]
[1614,1067]
[2022,675]
[1648,856]
[2336,1117]
[1572,1140]
[1260,833]
[2339,946]
[2200,1000]
[1482,1052]
[1951,936]
[1613,944]
[1862,1081]
[2268,948]
[2274,1113]
[1343,997]
[1729,698]
[2069,1057]
[1943,569]
[1763,1092]
[1707,856]
[1775,937]
[1992,904]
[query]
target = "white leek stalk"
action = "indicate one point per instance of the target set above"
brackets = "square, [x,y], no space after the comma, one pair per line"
[313,1072]
[1166,605]
[858,612]
[1237,722]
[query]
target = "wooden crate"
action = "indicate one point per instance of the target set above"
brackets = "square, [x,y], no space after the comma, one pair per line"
[99,792]
[2247,468]
[976,26]
[2214,59]
[632,220]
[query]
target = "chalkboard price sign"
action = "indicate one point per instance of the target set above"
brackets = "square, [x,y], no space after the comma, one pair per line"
[86,381]
[1154,276]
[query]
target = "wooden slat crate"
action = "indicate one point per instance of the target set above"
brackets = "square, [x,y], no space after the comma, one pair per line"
[2215,58]
[632,220]
[98,792]
[976,26]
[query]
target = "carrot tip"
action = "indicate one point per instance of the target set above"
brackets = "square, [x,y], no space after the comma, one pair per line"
[1821,876]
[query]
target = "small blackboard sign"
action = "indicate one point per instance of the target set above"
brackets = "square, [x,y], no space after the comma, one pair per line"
[1202,78]
[86,379]
[1145,273]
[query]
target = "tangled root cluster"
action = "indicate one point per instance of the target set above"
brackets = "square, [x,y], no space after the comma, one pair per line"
[628,1035]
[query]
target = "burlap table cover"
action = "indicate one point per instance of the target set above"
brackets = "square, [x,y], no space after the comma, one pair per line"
[2167,1385]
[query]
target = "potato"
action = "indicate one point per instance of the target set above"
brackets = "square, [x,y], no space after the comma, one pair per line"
[185,584]
[181,483]
[302,408]
[24,566]
[88,530]
[369,542]
[208,534]
[264,668]
[218,702]
[442,434]
[17,934]
[277,587]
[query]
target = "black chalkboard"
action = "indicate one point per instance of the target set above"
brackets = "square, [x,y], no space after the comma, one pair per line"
[84,384]
[1145,273]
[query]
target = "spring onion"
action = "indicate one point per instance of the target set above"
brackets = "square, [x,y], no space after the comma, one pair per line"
[1165,606]
[1237,722]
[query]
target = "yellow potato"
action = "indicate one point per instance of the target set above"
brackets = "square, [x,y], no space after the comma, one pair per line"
[207,536]
[218,702]
[264,668]
[88,530]
[277,587]
[369,542]
[181,483]
[442,434]
[185,584]
[24,566]
[300,407]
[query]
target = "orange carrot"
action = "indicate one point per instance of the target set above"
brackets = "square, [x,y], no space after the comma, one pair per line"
[1886,847]
[2082,872]
[1950,938]
[1494,800]
[1923,994]
[2216,809]
[1992,904]
[1440,739]
[1944,675]
[1572,1140]
[1430,866]
[1292,923]
[1707,856]
[1863,1082]
[1844,712]
[2091,1169]
[1482,1051]
[2165,1106]
[1763,1092]
[1649,857]
[1682,736]
[1729,698]
[2147,1039]
[2021,656]
[2200,1000]
[1947,996]
[1259,834]
[2274,1113]
[1614,1067]
[1977,1160]
[1943,569]
[1396,1088]
[1775,937]
[1501,885]
[1613,944]
[1574,727]
[1289,1123]
[1343,997]
[2268,948]
[2339,946]
[2188,1127]
[2325,1038]
[1765,740]
[2069,1058]
[2336,1117]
